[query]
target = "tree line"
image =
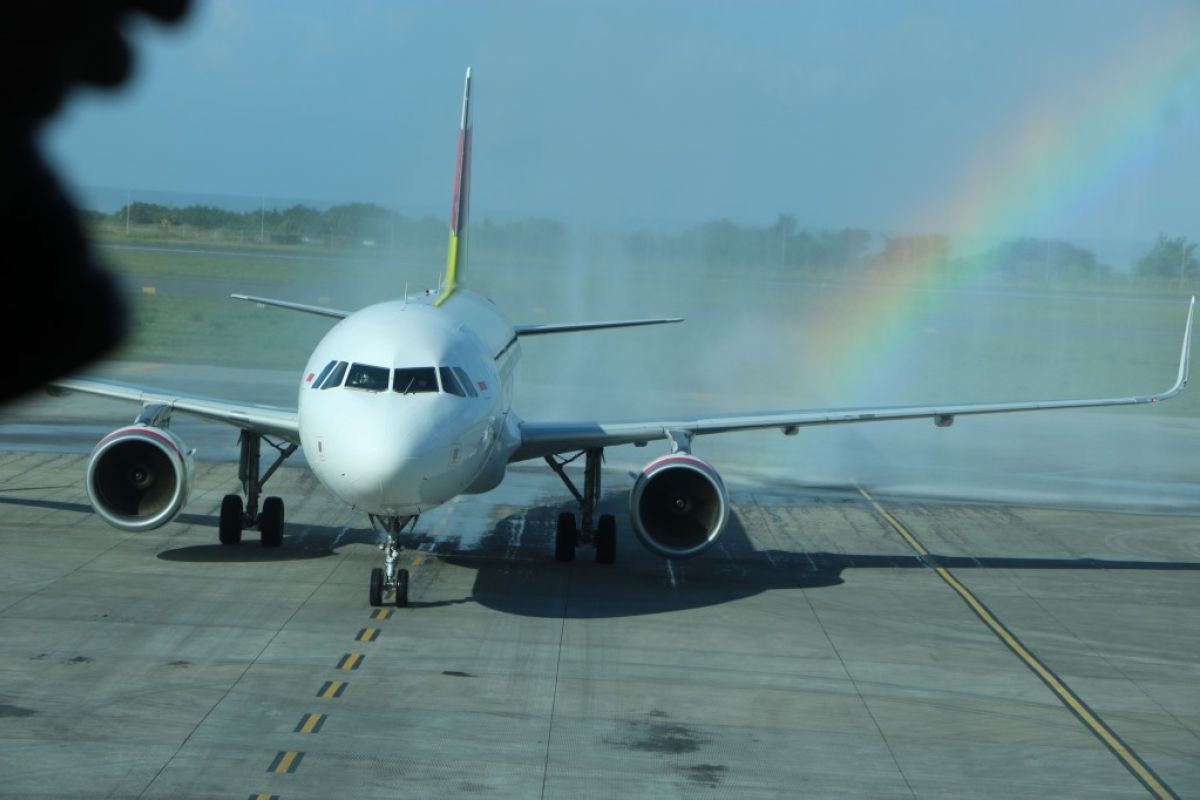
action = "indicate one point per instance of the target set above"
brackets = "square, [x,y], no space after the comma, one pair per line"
[719,244]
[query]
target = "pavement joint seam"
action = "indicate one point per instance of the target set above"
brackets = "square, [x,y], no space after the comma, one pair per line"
[1103,658]
[562,631]
[117,543]
[846,670]
[235,683]
[1125,755]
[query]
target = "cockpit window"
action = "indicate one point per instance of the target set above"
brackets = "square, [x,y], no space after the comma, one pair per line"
[466,381]
[323,374]
[410,380]
[368,378]
[450,383]
[335,378]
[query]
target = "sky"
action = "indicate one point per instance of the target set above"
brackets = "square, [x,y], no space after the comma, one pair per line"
[980,120]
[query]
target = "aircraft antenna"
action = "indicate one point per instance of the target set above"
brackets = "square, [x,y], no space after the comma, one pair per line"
[406,293]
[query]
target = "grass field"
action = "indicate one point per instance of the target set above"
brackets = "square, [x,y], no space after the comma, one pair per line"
[751,341]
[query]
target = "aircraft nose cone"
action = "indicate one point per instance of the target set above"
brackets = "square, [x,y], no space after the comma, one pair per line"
[390,474]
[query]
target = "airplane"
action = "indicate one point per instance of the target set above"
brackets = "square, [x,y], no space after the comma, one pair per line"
[407,403]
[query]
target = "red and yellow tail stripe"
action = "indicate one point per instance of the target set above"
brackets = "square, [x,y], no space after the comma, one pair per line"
[456,254]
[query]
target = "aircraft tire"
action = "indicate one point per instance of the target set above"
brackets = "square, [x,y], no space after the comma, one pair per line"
[606,539]
[402,588]
[270,522]
[229,524]
[377,587]
[565,538]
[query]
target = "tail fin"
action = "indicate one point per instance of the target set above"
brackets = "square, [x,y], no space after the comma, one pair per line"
[456,255]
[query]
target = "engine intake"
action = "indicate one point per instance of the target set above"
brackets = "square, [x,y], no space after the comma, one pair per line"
[678,506]
[138,478]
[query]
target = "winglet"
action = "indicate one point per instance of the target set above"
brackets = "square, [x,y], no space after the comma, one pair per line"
[456,254]
[1185,355]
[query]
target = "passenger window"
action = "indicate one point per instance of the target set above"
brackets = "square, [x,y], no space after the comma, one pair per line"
[335,378]
[466,381]
[450,383]
[323,374]
[415,379]
[368,378]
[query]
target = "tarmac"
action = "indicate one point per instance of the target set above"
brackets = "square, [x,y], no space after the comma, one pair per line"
[836,642]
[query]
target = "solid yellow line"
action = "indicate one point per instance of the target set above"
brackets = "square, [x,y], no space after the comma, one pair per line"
[1130,759]
[311,723]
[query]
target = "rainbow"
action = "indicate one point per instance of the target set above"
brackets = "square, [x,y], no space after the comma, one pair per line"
[1056,156]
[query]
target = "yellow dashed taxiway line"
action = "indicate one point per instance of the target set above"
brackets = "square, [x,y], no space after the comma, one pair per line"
[286,761]
[1124,753]
[350,661]
[310,723]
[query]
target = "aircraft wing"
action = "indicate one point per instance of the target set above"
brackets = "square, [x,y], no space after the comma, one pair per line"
[570,327]
[320,311]
[266,420]
[539,439]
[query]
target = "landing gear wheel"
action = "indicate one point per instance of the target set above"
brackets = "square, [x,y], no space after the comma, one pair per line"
[229,524]
[565,538]
[270,522]
[606,539]
[402,588]
[377,587]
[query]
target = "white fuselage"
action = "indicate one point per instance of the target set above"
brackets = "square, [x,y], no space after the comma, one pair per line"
[396,431]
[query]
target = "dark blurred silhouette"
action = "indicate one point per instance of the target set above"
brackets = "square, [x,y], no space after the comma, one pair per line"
[60,309]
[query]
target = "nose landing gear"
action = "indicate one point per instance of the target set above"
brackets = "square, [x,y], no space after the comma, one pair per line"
[391,578]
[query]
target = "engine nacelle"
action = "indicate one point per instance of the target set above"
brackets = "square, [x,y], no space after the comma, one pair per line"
[138,478]
[678,506]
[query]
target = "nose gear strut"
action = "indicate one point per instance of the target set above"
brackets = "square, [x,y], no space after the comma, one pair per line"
[391,578]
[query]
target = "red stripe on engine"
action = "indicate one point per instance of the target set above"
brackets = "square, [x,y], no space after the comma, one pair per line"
[149,432]
[667,459]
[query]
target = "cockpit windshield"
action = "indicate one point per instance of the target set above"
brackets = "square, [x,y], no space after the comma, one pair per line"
[404,380]
[367,378]
[409,380]
[450,383]
[335,376]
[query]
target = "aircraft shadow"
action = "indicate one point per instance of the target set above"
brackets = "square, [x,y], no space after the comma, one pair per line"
[516,572]
[301,542]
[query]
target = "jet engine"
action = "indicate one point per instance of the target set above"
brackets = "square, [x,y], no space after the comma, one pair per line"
[138,477]
[678,506]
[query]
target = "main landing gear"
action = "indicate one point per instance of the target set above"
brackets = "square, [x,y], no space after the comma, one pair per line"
[234,516]
[391,578]
[602,534]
